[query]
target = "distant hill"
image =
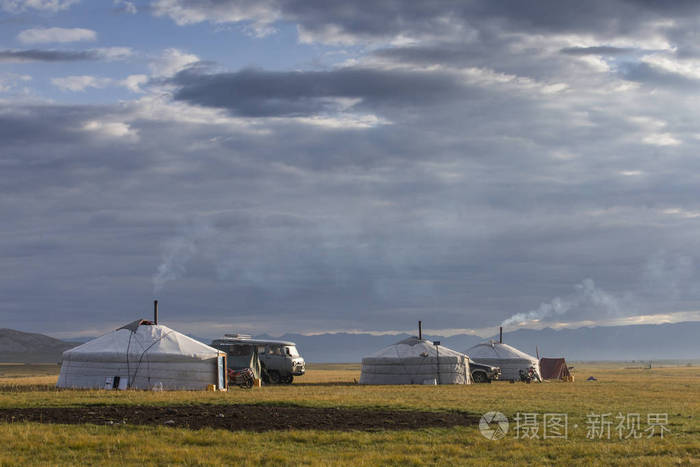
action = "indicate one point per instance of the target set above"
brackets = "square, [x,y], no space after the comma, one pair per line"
[636,342]
[26,347]
[677,341]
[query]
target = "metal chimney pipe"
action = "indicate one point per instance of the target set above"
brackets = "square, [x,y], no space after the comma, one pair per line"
[420,330]
[155,311]
[500,332]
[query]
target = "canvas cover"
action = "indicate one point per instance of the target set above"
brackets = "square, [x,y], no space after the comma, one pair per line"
[554,368]
[414,361]
[509,359]
[245,356]
[143,356]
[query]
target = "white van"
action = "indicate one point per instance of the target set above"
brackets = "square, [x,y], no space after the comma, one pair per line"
[280,361]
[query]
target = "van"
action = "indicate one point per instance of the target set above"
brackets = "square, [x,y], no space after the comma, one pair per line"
[280,361]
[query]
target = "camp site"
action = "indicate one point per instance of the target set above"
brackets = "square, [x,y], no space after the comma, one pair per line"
[350,232]
[261,395]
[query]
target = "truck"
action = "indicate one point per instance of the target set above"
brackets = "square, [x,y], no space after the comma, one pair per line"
[482,373]
[278,361]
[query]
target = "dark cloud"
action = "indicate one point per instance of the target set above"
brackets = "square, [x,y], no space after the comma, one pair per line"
[40,124]
[454,53]
[386,225]
[390,18]
[260,93]
[394,17]
[601,50]
[37,55]
[499,179]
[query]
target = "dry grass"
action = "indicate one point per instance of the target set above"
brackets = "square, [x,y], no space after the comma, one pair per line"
[672,390]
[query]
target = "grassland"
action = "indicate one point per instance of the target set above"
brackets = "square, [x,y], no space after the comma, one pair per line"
[671,390]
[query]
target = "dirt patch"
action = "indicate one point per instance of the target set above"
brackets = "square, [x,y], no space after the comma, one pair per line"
[243,417]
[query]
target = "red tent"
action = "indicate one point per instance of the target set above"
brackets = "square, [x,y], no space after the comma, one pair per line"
[554,368]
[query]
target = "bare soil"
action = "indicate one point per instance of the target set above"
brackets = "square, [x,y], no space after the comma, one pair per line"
[242,417]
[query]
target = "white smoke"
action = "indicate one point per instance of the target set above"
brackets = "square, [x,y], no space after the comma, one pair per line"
[587,300]
[177,252]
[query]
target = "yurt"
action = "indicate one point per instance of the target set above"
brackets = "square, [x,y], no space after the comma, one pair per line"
[143,355]
[415,361]
[509,359]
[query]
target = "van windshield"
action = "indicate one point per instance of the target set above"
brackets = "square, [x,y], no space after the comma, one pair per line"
[292,351]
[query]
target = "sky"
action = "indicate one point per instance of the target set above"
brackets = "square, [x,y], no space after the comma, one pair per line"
[277,166]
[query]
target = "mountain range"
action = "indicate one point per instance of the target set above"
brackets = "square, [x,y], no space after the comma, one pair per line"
[634,342]
[26,347]
[678,341]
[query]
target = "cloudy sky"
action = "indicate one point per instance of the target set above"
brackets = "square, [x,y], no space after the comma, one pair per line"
[310,166]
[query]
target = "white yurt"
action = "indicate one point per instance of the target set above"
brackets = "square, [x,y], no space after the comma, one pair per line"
[143,355]
[509,359]
[415,361]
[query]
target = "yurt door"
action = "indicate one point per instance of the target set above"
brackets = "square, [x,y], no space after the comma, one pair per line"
[221,372]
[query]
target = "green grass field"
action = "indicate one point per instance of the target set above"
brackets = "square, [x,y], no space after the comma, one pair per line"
[670,390]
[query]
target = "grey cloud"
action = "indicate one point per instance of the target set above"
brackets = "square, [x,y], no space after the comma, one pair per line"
[260,93]
[600,16]
[390,18]
[455,53]
[46,146]
[332,242]
[38,55]
[475,204]
[647,74]
[669,275]
[480,54]
[600,50]
[39,124]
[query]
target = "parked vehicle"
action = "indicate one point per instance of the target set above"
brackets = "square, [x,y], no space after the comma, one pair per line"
[482,373]
[530,375]
[280,361]
[243,377]
[241,354]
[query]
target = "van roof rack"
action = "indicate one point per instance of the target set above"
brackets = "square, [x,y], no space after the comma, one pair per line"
[238,336]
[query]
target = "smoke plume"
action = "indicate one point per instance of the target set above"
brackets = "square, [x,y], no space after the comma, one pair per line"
[177,252]
[587,300]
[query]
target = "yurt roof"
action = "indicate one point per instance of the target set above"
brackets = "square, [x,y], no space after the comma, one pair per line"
[142,338]
[494,349]
[414,347]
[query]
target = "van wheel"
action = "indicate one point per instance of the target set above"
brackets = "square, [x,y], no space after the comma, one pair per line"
[479,377]
[273,376]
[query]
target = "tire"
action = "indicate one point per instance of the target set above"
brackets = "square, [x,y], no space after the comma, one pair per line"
[480,377]
[288,379]
[273,376]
